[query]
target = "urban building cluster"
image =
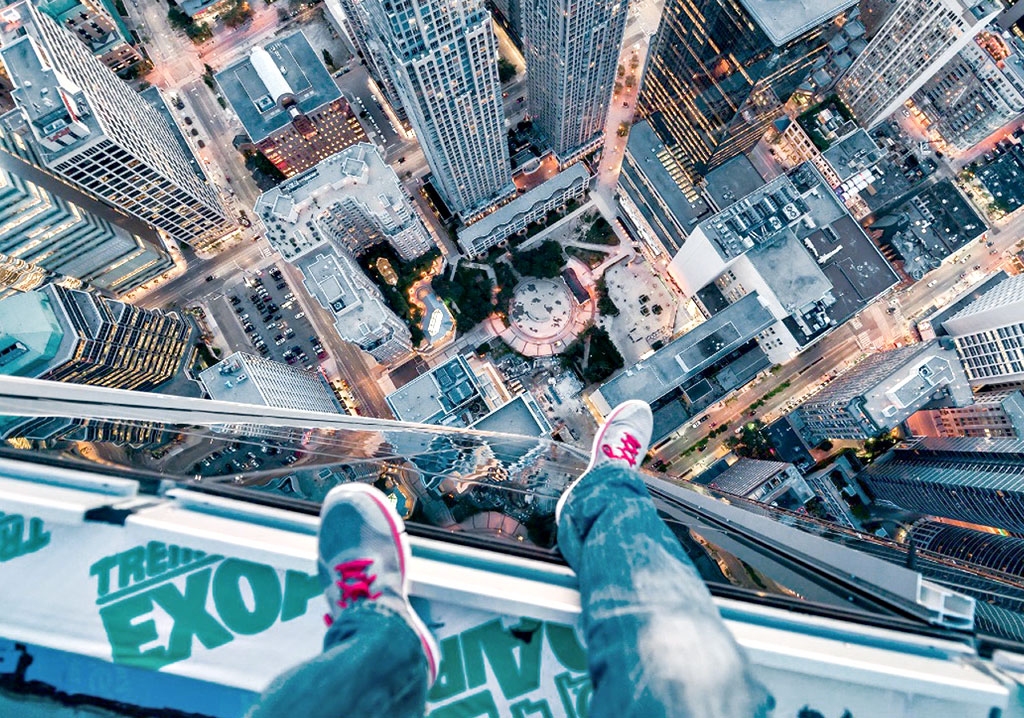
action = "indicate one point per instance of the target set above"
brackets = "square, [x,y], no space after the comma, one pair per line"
[821,198]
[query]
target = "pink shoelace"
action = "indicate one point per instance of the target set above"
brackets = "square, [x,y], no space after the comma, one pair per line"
[354,583]
[630,448]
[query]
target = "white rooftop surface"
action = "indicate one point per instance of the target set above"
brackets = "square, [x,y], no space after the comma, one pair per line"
[357,171]
[523,202]
[998,307]
[784,20]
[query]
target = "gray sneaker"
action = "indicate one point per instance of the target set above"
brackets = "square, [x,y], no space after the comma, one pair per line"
[623,439]
[363,556]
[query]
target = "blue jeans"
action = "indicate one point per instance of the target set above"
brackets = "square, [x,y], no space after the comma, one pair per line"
[656,645]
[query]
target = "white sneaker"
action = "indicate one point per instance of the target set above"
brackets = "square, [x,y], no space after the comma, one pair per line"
[623,439]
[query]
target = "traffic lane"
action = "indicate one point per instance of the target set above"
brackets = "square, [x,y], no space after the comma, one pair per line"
[348,358]
[191,285]
[355,85]
[821,359]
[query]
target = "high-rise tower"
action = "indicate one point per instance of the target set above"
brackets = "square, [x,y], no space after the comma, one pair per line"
[45,234]
[572,51]
[441,55]
[720,71]
[92,130]
[919,37]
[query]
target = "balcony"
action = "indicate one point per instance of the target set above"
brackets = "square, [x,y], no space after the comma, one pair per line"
[145,581]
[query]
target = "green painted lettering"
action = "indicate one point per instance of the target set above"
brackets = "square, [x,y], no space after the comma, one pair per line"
[127,635]
[474,706]
[231,607]
[131,566]
[500,646]
[575,693]
[451,677]
[190,616]
[299,588]
[101,570]
[566,646]
[13,540]
[527,708]
[156,558]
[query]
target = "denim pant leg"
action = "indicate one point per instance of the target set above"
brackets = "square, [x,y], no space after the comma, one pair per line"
[372,665]
[656,645]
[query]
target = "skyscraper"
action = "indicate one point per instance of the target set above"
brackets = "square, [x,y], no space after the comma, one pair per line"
[42,236]
[73,336]
[720,72]
[996,414]
[974,94]
[989,334]
[918,38]
[92,130]
[352,198]
[93,22]
[980,481]
[442,57]
[883,391]
[247,379]
[572,52]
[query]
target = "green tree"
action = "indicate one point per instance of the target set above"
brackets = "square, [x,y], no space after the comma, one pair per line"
[506,70]
[329,60]
[603,359]
[469,290]
[605,305]
[544,261]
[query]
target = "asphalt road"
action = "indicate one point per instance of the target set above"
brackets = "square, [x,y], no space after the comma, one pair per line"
[879,330]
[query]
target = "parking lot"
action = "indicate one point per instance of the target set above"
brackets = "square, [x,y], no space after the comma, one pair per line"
[273,321]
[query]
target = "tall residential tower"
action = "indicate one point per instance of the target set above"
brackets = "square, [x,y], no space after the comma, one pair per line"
[919,37]
[572,51]
[442,56]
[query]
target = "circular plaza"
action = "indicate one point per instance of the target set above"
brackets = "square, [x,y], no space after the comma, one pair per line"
[544,317]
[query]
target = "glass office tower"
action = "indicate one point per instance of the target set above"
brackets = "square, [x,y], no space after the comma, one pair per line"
[720,72]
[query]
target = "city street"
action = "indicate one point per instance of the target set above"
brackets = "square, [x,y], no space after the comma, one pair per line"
[831,355]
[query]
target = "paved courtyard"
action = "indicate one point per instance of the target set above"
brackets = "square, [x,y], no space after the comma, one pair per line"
[544,318]
[648,310]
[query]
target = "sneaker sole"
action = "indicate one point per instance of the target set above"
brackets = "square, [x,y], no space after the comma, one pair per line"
[593,457]
[401,538]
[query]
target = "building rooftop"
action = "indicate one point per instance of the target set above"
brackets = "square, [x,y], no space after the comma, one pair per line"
[1001,305]
[480,229]
[892,385]
[286,69]
[853,154]
[1003,177]
[298,213]
[936,318]
[784,20]
[334,280]
[732,180]
[929,226]
[30,334]
[670,205]
[686,356]
[44,99]
[435,396]
[227,380]
[519,416]
[791,272]
[915,383]
[742,477]
[248,379]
